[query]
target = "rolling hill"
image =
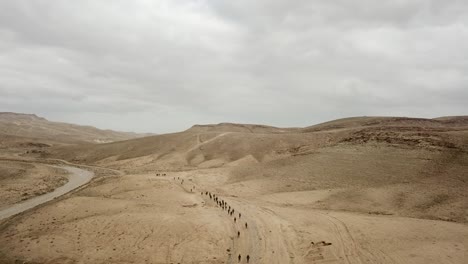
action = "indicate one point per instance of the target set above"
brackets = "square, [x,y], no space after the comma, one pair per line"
[384,165]
[32,126]
[224,143]
[354,190]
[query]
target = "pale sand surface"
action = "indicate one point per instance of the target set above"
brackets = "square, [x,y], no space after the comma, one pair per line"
[356,190]
[149,219]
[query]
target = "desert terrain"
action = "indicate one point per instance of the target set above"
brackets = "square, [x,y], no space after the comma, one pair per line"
[354,190]
[16,125]
[20,181]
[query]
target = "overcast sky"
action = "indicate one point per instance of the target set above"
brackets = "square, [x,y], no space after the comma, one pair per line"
[162,66]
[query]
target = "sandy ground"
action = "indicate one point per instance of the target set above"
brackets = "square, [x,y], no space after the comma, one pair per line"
[393,193]
[148,219]
[20,181]
[76,178]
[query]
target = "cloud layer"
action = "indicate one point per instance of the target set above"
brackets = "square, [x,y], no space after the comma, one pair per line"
[161,66]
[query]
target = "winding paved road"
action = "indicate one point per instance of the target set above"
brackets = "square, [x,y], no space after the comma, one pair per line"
[76,178]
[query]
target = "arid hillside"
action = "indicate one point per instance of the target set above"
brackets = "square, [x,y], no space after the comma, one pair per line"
[225,143]
[32,126]
[20,181]
[384,165]
[242,128]
[355,190]
[211,146]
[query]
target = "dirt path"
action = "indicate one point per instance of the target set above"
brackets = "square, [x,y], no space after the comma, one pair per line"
[265,239]
[200,143]
[290,234]
[143,218]
[76,178]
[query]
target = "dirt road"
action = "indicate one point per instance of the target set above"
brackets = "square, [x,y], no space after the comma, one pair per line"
[287,233]
[76,178]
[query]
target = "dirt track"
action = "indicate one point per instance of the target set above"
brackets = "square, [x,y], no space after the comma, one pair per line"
[359,190]
[294,234]
[149,219]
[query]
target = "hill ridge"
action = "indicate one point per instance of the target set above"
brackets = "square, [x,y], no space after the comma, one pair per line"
[34,126]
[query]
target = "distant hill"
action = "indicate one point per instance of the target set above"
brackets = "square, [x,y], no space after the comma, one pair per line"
[221,144]
[33,126]
[245,128]
[380,165]
[368,121]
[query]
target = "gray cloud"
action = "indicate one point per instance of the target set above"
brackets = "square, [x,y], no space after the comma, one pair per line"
[162,66]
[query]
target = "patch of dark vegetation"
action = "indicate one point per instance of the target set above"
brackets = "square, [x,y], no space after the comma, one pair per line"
[436,200]
[402,136]
[379,213]
[190,205]
[400,200]
[35,144]
[446,219]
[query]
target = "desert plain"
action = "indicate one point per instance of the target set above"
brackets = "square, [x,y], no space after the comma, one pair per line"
[355,190]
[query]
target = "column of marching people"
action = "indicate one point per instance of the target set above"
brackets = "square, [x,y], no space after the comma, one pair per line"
[236,216]
[224,206]
[231,212]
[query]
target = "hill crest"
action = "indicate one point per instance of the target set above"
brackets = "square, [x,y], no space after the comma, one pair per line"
[236,127]
[33,126]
